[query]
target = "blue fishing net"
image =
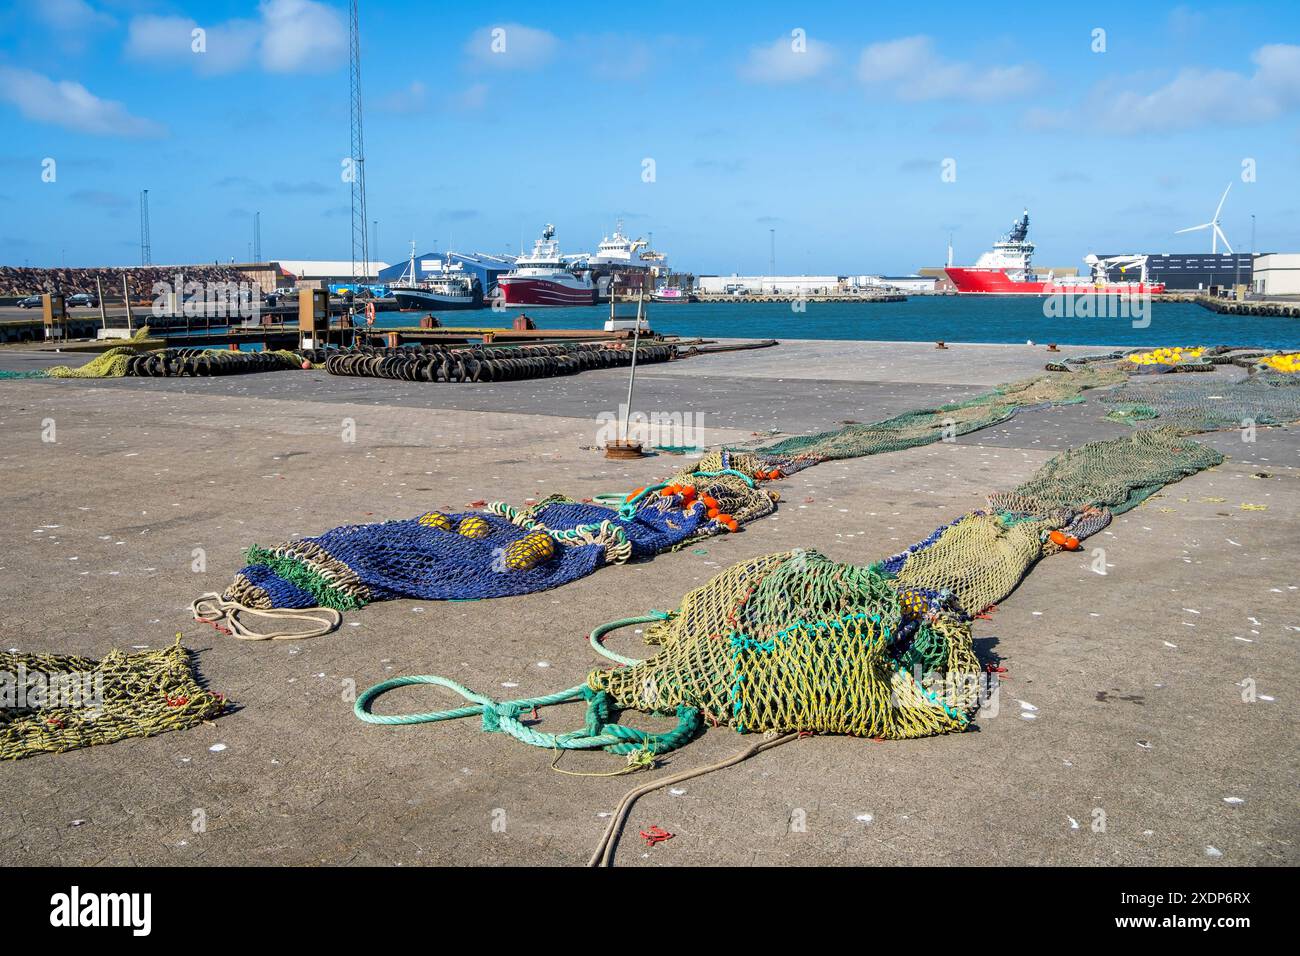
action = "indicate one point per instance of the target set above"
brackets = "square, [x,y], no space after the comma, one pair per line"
[356,564]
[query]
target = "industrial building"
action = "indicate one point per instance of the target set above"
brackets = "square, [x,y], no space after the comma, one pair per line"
[482,266]
[1276,274]
[809,285]
[916,284]
[766,285]
[316,273]
[1192,272]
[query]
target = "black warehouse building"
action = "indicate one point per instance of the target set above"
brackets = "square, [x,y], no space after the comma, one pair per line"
[1192,271]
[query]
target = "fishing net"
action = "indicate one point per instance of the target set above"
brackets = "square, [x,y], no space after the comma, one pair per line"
[930,425]
[795,641]
[1265,398]
[57,702]
[503,552]
[109,364]
[1118,474]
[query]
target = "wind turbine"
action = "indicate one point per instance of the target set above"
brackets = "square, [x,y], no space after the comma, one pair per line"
[1216,233]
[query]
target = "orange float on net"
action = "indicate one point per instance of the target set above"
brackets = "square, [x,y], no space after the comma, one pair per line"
[634,494]
[709,502]
[1067,541]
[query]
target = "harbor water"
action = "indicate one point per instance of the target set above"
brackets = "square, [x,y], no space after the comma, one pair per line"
[1005,320]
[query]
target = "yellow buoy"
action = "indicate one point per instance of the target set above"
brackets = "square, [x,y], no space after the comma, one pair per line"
[436,519]
[530,551]
[474,527]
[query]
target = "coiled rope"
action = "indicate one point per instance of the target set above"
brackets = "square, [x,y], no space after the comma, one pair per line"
[224,614]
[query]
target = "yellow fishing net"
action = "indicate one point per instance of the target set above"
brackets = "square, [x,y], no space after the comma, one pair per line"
[794,641]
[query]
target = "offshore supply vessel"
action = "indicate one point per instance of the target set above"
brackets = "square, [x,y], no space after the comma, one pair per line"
[1008,269]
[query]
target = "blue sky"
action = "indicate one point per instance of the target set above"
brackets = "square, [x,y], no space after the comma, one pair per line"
[828,122]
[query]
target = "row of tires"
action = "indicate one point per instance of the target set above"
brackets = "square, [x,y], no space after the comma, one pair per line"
[491,364]
[1269,309]
[488,352]
[172,363]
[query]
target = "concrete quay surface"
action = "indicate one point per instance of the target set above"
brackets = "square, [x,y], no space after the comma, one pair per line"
[1146,717]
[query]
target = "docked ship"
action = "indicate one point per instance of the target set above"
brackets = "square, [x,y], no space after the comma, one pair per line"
[450,288]
[1007,269]
[617,255]
[545,277]
[670,294]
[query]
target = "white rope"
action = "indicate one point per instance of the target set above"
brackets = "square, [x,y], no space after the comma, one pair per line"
[212,608]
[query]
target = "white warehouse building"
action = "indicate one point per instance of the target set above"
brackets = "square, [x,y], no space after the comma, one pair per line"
[811,285]
[1276,274]
[761,285]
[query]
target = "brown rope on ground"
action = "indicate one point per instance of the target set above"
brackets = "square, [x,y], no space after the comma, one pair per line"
[605,849]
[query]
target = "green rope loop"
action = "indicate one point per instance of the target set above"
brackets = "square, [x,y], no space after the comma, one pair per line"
[599,730]
[602,630]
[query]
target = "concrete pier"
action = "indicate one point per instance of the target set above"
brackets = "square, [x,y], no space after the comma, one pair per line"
[1123,700]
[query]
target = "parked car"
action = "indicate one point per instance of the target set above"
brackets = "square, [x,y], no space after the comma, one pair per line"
[82,298]
[31,302]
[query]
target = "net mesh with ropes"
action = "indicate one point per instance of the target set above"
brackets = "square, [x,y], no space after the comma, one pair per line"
[61,702]
[424,558]
[1193,405]
[795,641]
[925,426]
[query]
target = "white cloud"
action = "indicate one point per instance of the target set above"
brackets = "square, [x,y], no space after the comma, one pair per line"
[227,46]
[290,36]
[1197,97]
[72,15]
[301,35]
[70,105]
[912,70]
[511,46]
[73,22]
[786,60]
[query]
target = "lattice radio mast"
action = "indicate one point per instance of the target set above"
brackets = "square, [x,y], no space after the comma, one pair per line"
[146,253]
[360,247]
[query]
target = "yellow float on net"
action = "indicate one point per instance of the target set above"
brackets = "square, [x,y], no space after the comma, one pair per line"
[436,519]
[530,551]
[1282,363]
[474,527]
[1167,356]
